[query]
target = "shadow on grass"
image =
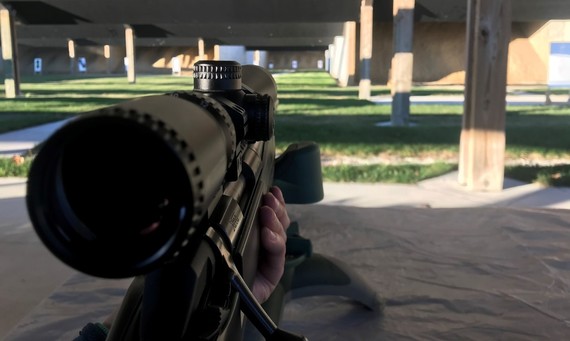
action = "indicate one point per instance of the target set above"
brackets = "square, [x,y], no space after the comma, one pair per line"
[360,132]
[556,176]
[318,102]
[88,76]
[68,92]
[435,92]
[70,100]
[553,91]
[38,79]
[319,93]
[550,110]
[380,173]
[548,176]
[20,120]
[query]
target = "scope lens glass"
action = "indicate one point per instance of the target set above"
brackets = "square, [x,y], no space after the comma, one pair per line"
[125,186]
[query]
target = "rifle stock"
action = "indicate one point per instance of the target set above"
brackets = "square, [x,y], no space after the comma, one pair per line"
[166,189]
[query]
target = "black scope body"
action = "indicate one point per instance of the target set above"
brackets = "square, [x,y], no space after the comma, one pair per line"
[119,191]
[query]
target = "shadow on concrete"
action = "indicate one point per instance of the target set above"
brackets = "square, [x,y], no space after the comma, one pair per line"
[552,197]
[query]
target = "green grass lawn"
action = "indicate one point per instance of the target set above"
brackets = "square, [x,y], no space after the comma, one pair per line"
[51,98]
[312,107]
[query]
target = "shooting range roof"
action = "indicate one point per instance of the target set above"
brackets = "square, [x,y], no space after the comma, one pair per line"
[260,23]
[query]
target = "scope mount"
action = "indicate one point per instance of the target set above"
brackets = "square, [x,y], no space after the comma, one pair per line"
[254,111]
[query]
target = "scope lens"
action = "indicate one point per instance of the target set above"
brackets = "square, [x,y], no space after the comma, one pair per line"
[121,192]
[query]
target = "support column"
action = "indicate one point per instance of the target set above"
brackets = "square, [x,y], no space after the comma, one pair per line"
[366,29]
[216,52]
[348,58]
[9,54]
[257,57]
[201,49]
[71,53]
[107,55]
[130,46]
[336,56]
[482,149]
[403,61]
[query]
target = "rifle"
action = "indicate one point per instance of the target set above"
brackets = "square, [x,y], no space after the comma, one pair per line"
[166,189]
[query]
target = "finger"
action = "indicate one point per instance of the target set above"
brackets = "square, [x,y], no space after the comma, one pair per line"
[271,264]
[273,247]
[268,218]
[274,199]
[273,244]
[276,191]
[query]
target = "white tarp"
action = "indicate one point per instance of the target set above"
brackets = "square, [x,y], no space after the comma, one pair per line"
[480,273]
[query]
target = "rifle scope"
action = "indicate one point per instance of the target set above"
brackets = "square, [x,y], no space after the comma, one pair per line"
[119,191]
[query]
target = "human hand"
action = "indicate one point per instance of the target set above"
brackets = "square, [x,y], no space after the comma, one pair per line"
[273,221]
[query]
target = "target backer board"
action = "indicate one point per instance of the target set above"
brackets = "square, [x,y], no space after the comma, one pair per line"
[559,65]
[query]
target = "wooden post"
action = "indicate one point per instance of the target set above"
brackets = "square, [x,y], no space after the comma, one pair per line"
[257,57]
[336,56]
[201,49]
[130,46]
[216,52]
[71,53]
[403,61]
[9,54]
[482,148]
[348,55]
[366,29]
[107,55]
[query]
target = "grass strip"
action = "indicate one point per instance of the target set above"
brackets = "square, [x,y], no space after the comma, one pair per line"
[548,176]
[403,174]
[9,168]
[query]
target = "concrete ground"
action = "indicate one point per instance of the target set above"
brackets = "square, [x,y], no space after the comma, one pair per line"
[20,141]
[29,273]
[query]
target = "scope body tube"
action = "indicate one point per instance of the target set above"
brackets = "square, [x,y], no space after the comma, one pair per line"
[140,173]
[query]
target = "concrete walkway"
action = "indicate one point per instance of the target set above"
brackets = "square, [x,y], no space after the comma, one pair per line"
[20,141]
[512,99]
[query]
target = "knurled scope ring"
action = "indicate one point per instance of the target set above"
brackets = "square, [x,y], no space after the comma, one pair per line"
[217,111]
